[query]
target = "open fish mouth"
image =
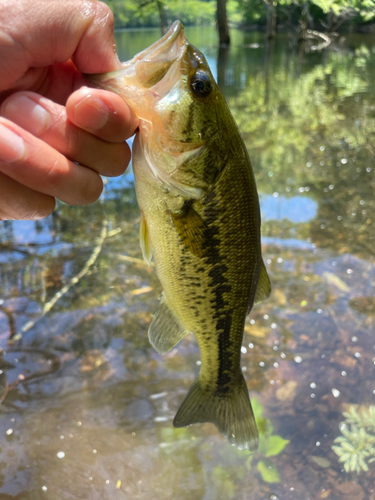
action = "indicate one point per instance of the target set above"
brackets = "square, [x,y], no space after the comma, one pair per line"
[147,68]
[167,47]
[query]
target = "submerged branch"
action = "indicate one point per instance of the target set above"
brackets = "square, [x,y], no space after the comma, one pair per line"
[11,321]
[73,281]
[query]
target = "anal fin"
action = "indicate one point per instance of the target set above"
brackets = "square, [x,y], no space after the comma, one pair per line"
[264,285]
[165,330]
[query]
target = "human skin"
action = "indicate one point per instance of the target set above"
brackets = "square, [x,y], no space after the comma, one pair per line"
[56,134]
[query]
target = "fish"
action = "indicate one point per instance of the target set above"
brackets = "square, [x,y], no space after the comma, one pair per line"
[200,222]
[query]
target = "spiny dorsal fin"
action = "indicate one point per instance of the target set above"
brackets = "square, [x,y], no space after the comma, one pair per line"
[191,229]
[264,285]
[231,413]
[165,330]
[144,240]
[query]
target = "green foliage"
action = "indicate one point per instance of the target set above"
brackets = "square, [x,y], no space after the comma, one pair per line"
[137,13]
[365,8]
[269,445]
[274,445]
[356,446]
[222,480]
[240,462]
[269,472]
[251,11]
[291,11]
[308,136]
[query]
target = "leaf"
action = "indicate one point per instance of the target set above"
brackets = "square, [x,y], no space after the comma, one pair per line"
[140,291]
[321,461]
[257,408]
[275,445]
[333,279]
[263,424]
[269,472]
[347,446]
[339,451]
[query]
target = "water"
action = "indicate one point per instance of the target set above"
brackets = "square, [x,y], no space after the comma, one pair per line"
[87,403]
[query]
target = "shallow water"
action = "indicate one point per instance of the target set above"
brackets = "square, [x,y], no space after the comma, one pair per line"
[87,404]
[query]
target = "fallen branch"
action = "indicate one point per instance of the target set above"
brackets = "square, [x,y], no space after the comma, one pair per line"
[311,34]
[73,281]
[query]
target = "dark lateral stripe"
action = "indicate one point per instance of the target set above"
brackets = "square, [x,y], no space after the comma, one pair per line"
[220,285]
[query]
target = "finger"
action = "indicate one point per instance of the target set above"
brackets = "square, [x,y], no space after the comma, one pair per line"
[33,163]
[40,35]
[103,113]
[48,121]
[18,202]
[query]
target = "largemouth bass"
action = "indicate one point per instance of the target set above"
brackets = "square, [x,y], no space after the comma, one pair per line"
[200,220]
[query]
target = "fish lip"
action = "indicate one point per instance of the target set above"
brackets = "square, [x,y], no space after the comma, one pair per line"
[161,45]
[154,52]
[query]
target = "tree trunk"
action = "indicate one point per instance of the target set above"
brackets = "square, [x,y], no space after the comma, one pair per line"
[268,59]
[163,17]
[222,63]
[271,18]
[222,23]
[309,17]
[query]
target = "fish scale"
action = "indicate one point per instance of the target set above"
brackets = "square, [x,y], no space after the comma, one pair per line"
[200,220]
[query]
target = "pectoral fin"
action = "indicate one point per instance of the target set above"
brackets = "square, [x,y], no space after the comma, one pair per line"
[191,229]
[165,330]
[144,240]
[264,285]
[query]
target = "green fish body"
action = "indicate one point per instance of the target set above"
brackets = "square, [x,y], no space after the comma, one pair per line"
[200,221]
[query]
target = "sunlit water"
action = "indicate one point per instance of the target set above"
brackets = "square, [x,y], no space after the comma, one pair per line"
[87,403]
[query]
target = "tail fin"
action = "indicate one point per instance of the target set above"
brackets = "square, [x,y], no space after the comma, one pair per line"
[231,413]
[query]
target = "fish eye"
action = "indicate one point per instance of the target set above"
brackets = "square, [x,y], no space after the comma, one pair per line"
[200,84]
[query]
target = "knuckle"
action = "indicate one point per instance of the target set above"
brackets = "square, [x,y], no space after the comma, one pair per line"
[103,15]
[73,141]
[53,175]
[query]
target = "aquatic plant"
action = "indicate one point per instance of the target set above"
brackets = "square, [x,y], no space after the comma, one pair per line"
[270,445]
[356,446]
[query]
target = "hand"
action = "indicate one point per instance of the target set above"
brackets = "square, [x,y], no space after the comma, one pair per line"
[57,136]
